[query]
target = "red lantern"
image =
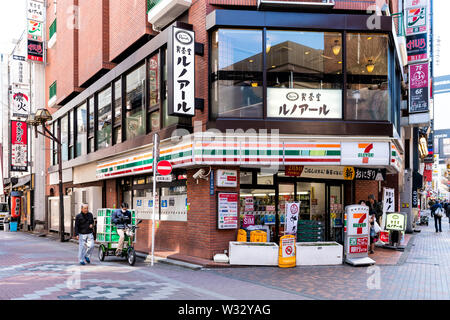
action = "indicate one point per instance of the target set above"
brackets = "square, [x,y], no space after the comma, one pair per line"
[15,207]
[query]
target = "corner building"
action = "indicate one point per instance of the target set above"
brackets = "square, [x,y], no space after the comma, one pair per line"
[294,101]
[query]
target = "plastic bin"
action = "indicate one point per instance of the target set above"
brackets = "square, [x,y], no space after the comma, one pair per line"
[242,236]
[6,226]
[258,236]
[13,226]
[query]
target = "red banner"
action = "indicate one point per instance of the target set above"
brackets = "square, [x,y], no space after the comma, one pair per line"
[15,207]
[19,146]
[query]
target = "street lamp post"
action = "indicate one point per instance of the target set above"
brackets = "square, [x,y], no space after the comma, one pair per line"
[40,118]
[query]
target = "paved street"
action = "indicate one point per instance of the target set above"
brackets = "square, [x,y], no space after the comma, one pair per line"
[34,267]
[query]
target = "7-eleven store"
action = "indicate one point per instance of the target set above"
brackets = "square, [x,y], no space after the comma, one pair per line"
[252,177]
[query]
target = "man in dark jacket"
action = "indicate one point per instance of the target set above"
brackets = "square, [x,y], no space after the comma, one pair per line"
[437,215]
[84,224]
[375,208]
[120,217]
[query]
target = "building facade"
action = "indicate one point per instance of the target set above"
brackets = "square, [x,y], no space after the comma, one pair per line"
[274,105]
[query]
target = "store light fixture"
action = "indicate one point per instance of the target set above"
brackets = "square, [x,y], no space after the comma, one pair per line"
[254,84]
[370,66]
[251,61]
[336,48]
[307,52]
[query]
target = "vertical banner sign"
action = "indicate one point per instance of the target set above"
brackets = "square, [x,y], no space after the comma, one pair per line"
[292,210]
[15,207]
[34,30]
[418,88]
[35,51]
[19,152]
[416,47]
[183,76]
[35,10]
[20,103]
[227,210]
[416,20]
[356,231]
[388,204]
[19,71]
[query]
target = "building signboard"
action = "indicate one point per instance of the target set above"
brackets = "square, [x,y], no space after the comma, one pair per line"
[228,206]
[417,47]
[419,88]
[35,10]
[19,146]
[416,20]
[35,30]
[365,153]
[35,51]
[20,103]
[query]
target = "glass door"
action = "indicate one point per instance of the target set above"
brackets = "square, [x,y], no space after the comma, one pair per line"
[335,210]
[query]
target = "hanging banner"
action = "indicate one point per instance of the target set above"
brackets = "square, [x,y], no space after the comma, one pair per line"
[416,47]
[35,51]
[35,10]
[20,103]
[228,210]
[292,210]
[388,200]
[418,88]
[34,30]
[183,76]
[304,103]
[19,146]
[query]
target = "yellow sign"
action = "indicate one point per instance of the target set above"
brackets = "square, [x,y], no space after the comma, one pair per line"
[287,252]
[349,173]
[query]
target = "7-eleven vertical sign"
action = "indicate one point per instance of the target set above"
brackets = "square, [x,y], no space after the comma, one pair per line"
[358,221]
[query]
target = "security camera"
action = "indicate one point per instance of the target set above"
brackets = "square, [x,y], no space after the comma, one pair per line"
[199,174]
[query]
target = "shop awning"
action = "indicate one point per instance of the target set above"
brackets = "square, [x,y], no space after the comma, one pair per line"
[22,181]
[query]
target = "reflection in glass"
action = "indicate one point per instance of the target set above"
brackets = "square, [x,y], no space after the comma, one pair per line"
[91,125]
[65,137]
[367,68]
[135,124]
[104,119]
[117,137]
[236,62]
[81,130]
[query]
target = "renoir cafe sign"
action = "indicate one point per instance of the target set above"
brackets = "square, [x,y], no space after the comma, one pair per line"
[304,103]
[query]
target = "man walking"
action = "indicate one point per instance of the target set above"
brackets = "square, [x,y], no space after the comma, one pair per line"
[84,224]
[375,208]
[438,212]
[120,217]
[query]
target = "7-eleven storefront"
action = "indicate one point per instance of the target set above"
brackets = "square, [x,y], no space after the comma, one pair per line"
[246,183]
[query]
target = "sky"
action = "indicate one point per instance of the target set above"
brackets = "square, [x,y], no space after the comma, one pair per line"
[12,23]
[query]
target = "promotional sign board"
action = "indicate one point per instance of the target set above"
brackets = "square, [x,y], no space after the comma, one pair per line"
[248,204]
[356,230]
[226,178]
[287,252]
[304,103]
[396,221]
[249,220]
[367,153]
[418,88]
[416,20]
[35,30]
[228,210]
[15,207]
[292,210]
[19,146]
[35,51]
[357,221]
[370,174]
[20,103]
[183,75]
[320,172]
[416,47]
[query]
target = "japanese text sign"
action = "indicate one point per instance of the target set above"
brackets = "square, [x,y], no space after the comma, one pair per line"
[35,51]
[395,221]
[292,210]
[183,84]
[19,146]
[304,103]
[388,200]
[370,174]
[20,103]
[35,10]
[418,88]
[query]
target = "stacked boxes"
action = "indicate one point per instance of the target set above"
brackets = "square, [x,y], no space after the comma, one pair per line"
[106,230]
[310,231]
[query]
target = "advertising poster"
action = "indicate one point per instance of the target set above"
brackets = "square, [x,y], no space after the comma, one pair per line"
[249,220]
[226,178]
[292,210]
[19,146]
[249,205]
[228,210]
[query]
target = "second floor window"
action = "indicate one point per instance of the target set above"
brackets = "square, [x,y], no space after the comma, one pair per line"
[104,119]
[134,103]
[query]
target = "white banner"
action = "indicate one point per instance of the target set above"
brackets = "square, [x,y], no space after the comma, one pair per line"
[292,210]
[388,204]
[183,73]
[35,10]
[365,153]
[20,73]
[20,103]
[304,103]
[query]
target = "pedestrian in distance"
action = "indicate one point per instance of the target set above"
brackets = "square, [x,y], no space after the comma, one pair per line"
[84,231]
[120,217]
[438,212]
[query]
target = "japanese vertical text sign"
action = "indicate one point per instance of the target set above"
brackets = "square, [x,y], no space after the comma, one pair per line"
[20,103]
[35,10]
[292,210]
[418,88]
[357,231]
[19,147]
[182,95]
[388,200]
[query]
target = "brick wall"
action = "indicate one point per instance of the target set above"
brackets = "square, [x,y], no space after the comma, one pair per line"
[111,194]
[365,188]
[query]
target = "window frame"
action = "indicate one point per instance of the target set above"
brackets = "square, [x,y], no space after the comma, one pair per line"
[96,113]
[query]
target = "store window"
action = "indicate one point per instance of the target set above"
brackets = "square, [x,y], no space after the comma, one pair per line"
[367,77]
[104,119]
[134,102]
[91,127]
[153,117]
[81,115]
[71,123]
[54,145]
[117,136]
[236,79]
[65,137]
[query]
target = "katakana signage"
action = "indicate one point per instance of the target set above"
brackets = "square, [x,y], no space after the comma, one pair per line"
[417,47]
[35,51]
[388,200]
[183,76]
[19,146]
[20,103]
[35,10]
[395,221]
[418,88]
[304,103]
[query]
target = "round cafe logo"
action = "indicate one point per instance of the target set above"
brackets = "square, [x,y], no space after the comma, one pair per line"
[183,37]
[292,96]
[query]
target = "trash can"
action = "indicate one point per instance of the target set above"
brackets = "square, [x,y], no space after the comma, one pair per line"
[13,226]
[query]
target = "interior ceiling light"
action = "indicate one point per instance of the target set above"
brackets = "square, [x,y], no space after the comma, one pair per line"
[336,48]
[370,66]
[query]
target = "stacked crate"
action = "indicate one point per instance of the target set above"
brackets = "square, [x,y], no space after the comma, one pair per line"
[106,230]
[310,231]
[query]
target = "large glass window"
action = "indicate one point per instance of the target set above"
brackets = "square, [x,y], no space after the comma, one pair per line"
[91,127]
[117,112]
[104,119]
[236,61]
[81,130]
[65,137]
[71,135]
[54,144]
[135,116]
[367,77]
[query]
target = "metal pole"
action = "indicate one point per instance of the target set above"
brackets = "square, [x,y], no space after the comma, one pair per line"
[155,159]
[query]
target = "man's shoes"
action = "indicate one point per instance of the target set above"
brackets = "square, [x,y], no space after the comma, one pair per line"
[87,259]
[82,263]
[371,252]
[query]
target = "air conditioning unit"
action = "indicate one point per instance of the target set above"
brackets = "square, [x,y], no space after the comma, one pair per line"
[166,11]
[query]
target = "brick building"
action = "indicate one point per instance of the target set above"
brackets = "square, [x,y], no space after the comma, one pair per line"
[312,95]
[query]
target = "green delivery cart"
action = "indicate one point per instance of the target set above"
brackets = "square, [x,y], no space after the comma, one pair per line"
[108,237]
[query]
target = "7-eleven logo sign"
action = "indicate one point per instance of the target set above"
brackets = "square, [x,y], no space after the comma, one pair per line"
[366,153]
[361,222]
